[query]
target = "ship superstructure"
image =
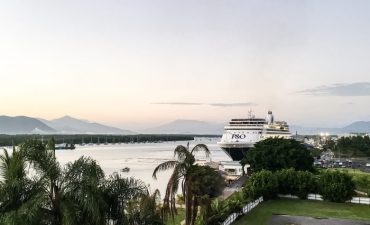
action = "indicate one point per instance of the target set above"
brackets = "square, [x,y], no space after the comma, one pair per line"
[241,134]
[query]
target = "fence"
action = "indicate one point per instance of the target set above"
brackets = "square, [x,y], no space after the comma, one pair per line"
[360,200]
[246,209]
[355,200]
[309,196]
[315,197]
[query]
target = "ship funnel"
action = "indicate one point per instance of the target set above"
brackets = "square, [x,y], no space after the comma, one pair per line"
[270,118]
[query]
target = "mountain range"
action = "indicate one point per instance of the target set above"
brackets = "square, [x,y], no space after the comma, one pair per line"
[70,125]
[64,125]
[23,125]
[186,127]
[200,127]
[355,127]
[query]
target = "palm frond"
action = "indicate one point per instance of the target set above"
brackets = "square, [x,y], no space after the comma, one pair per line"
[169,207]
[43,161]
[4,165]
[182,152]
[164,166]
[201,147]
[156,194]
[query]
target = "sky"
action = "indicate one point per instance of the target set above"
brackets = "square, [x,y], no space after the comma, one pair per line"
[144,63]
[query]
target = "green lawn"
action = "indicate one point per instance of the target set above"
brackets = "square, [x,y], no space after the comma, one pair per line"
[349,171]
[178,218]
[263,212]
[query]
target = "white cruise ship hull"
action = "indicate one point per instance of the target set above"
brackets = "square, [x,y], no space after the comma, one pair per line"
[235,145]
[241,134]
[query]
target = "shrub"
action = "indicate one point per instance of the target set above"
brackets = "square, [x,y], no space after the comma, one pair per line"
[336,186]
[306,183]
[288,181]
[299,183]
[263,183]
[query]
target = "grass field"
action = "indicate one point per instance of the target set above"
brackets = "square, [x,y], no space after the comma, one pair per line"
[178,218]
[350,171]
[262,213]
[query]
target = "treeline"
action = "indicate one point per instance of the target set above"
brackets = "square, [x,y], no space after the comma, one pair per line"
[9,140]
[355,146]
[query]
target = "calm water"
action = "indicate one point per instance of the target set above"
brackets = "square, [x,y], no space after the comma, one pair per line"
[140,158]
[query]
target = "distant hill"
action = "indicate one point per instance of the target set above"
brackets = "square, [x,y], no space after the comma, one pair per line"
[70,125]
[23,125]
[313,130]
[356,127]
[359,126]
[201,127]
[186,127]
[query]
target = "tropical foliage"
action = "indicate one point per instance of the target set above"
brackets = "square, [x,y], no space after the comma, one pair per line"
[336,186]
[299,183]
[278,153]
[198,184]
[220,209]
[333,186]
[205,184]
[355,146]
[263,183]
[36,189]
[306,183]
[20,196]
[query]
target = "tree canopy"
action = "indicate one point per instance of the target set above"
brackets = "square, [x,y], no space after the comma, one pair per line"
[278,153]
[355,146]
[78,193]
[196,182]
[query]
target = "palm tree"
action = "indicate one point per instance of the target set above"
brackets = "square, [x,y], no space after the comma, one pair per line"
[145,211]
[119,192]
[77,193]
[206,184]
[72,195]
[19,195]
[184,161]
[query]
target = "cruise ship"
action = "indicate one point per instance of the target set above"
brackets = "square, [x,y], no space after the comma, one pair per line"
[241,134]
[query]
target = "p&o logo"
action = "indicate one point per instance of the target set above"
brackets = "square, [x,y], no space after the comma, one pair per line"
[238,136]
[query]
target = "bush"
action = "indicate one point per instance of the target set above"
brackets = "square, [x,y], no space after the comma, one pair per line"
[263,183]
[299,183]
[306,183]
[336,186]
[216,214]
[288,181]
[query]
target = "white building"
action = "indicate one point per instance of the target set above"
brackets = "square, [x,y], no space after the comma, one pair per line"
[232,169]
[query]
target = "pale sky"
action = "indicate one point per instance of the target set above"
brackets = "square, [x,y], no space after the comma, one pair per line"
[112,61]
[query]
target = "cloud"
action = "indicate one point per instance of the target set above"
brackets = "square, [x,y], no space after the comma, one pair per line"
[177,103]
[233,104]
[240,104]
[351,89]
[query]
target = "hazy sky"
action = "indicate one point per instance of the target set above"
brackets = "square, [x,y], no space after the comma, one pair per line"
[150,62]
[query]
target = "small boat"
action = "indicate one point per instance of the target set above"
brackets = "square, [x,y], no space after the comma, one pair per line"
[65,146]
[126,169]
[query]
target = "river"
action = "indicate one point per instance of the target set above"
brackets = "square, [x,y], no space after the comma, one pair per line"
[140,158]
